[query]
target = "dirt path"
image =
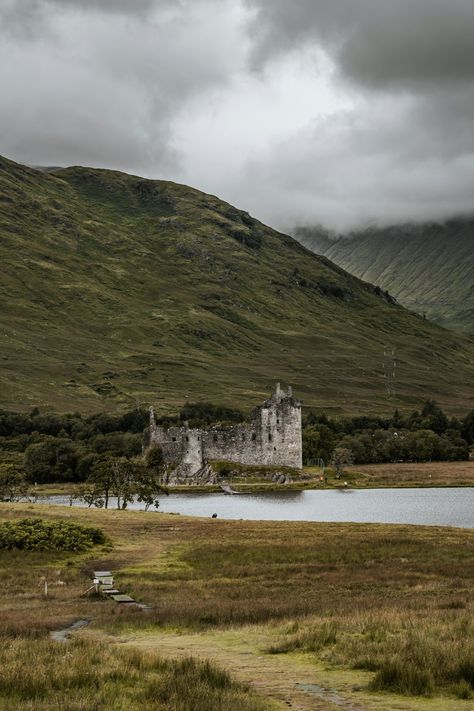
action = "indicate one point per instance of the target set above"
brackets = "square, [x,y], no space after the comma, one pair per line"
[291,681]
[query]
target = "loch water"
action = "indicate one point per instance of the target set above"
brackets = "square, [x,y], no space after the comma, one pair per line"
[426,506]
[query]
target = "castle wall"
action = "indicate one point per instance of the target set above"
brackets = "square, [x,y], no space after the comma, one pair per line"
[272,438]
[234,444]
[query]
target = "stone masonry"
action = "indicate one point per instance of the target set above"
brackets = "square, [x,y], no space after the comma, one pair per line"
[272,438]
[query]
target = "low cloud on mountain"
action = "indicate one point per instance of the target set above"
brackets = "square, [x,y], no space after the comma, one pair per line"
[336,112]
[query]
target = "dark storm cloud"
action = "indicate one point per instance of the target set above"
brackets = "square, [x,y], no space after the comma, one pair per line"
[373,42]
[387,162]
[101,82]
[309,111]
[405,150]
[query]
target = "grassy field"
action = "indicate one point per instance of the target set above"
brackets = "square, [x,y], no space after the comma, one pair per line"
[380,616]
[116,288]
[415,474]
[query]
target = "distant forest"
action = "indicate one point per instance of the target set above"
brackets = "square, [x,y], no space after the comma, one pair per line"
[65,448]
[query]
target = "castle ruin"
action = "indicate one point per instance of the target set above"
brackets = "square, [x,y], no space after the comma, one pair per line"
[271,438]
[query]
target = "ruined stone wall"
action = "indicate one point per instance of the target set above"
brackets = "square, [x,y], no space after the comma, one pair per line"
[234,444]
[272,438]
[171,441]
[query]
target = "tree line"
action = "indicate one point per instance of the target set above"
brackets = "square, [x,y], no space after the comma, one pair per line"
[102,452]
[422,436]
[57,448]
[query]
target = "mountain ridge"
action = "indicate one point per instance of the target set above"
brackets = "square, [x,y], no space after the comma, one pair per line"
[427,267]
[118,290]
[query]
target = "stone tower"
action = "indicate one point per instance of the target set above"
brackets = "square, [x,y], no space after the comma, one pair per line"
[279,424]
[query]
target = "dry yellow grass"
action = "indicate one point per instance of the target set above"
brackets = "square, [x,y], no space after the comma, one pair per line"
[415,474]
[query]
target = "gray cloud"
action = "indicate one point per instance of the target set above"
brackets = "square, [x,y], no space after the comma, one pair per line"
[358,111]
[366,168]
[102,88]
[375,43]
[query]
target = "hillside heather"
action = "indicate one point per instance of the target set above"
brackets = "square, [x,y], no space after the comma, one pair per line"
[116,288]
[428,267]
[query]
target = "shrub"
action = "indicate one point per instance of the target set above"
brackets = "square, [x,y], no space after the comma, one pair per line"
[34,534]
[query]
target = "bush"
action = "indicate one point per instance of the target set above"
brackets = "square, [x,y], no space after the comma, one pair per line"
[35,534]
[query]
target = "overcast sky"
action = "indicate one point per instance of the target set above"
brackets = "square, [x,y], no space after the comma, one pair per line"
[334,112]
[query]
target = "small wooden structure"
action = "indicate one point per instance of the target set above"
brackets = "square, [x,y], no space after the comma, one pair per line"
[103,583]
[104,577]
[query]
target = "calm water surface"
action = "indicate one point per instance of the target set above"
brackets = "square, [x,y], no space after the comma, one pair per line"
[441,507]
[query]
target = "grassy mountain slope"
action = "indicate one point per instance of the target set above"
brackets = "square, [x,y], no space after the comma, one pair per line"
[114,286]
[429,268]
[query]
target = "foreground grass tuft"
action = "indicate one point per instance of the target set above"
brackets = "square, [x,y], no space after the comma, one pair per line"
[403,677]
[409,655]
[42,675]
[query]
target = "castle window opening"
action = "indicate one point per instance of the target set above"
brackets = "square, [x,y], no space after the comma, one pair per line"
[174,439]
[269,438]
[254,436]
[187,438]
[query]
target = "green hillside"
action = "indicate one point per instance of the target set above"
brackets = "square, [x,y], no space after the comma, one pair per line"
[115,287]
[429,268]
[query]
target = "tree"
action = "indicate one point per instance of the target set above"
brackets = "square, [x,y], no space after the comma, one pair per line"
[154,458]
[125,479]
[467,430]
[13,484]
[423,445]
[51,459]
[318,443]
[433,418]
[102,478]
[123,476]
[147,484]
[341,457]
[91,494]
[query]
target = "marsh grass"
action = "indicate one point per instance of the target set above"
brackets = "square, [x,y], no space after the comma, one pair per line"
[244,573]
[392,600]
[41,675]
[410,654]
[409,474]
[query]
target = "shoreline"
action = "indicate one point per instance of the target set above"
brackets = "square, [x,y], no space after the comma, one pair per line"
[402,475]
[55,490]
